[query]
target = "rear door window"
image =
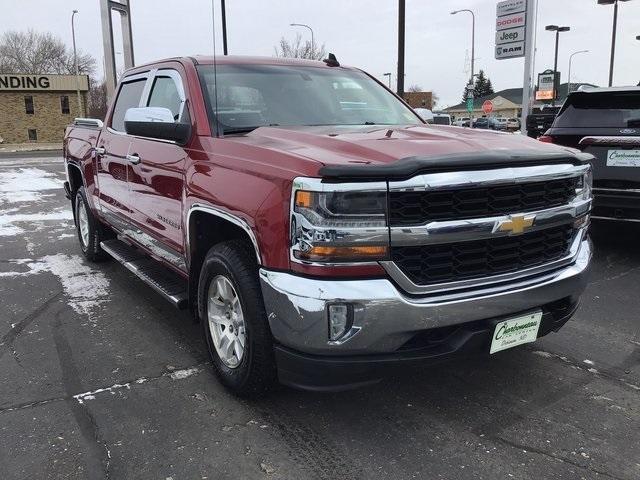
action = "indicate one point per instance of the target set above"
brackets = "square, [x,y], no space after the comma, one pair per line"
[600,110]
[128,97]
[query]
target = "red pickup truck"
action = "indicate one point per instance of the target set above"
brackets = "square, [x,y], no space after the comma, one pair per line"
[322,232]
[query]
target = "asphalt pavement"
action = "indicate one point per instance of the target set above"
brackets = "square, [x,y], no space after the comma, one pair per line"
[101,378]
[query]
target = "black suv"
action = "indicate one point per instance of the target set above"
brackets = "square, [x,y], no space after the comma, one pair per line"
[606,123]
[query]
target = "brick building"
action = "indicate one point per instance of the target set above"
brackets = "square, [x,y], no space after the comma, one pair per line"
[37,108]
[419,99]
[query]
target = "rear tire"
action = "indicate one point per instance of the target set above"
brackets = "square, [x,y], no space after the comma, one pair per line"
[234,320]
[90,231]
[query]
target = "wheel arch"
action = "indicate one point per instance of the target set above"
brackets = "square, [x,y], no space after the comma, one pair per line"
[207,226]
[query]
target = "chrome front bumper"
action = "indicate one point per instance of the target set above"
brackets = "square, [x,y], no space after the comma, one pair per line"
[385,318]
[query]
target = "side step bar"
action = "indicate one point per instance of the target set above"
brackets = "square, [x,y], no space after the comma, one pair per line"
[163,280]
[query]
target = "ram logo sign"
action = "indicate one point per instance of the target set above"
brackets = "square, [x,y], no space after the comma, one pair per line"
[510,50]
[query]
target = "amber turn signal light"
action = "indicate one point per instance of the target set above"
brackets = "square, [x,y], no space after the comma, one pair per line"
[303,199]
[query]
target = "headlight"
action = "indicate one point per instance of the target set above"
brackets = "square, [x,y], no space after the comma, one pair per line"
[585,184]
[336,224]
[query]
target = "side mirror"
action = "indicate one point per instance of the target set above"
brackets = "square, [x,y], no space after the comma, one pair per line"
[156,122]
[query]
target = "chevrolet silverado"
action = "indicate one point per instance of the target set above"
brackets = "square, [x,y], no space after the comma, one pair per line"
[322,233]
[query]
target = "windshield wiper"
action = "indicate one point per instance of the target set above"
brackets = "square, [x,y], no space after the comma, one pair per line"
[231,130]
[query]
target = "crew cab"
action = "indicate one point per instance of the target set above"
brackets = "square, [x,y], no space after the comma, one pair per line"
[605,122]
[322,233]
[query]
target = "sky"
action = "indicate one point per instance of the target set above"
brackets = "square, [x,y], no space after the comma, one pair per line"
[361,33]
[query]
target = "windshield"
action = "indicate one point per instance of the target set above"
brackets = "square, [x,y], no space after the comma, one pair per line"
[604,110]
[250,96]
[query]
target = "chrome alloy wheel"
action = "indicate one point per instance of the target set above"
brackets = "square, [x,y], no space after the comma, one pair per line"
[83,223]
[226,321]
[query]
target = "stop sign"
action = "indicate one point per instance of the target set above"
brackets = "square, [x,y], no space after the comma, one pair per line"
[487,106]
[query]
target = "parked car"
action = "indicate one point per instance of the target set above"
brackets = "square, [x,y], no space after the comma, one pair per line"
[540,119]
[605,122]
[513,124]
[482,122]
[462,122]
[425,114]
[318,229]
[441,118]
[498,123]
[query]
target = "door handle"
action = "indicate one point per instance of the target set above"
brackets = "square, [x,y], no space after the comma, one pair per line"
[134,158]
[100,151]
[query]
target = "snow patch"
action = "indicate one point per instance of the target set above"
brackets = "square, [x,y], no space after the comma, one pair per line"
[85,288]
[81,397]
[588,362]
[25,184]
[181,374]
[8,221]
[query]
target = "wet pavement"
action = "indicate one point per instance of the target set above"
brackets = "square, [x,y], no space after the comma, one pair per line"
[101,378]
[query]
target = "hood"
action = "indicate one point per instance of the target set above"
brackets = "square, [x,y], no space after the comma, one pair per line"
[378,145]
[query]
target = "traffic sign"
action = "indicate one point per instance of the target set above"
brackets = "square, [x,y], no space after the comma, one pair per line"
[487,107]
[469,105]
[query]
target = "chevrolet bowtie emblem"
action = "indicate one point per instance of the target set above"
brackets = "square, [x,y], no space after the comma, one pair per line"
[516,223]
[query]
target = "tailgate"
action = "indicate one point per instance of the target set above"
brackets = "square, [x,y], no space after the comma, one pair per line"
[617,159]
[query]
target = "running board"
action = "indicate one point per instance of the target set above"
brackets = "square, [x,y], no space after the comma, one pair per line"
[163,280]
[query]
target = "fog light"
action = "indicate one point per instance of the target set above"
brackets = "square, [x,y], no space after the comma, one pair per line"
[338,320]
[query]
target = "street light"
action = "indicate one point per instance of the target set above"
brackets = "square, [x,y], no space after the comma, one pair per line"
[557,29]
[569,73]
[473,39]
[613,33]
[388,74]
[75,61]
[310,29]
[473,53]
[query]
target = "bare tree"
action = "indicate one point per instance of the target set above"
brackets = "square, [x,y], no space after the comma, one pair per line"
[34,52]
[97,100]
[298,49]
[415,88]
[434,99]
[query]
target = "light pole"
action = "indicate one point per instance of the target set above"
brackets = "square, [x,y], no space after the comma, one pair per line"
[224,27]
[388,74]
[473,40]
[75,62]
[313,44]
[569,72]
[613,33]
[557,29]
[473,55]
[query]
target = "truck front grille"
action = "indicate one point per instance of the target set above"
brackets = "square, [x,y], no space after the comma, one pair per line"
[451,262]
[417,208]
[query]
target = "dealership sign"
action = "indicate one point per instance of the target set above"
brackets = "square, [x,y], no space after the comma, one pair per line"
[510,7]
[546,85]
[509,36]
[22,82]
[511,28]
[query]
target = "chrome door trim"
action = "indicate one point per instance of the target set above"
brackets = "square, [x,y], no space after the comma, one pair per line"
[451,180]
[405,283]
[453,231]
[198,207]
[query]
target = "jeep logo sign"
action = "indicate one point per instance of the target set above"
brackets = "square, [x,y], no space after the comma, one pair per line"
[510,21]
[510,50]
[509,36]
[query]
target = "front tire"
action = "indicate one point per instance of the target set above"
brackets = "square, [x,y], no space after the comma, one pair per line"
[90,231]
[234,320]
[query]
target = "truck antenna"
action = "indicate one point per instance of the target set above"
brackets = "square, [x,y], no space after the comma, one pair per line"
[332,61]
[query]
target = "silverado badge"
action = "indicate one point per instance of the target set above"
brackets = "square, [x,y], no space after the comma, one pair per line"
[516,223]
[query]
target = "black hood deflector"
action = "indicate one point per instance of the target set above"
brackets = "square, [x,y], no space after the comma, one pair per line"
[411,166]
